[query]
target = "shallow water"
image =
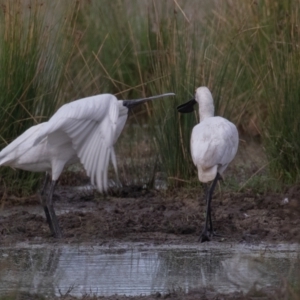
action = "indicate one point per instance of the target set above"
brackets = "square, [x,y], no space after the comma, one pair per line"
[135,269]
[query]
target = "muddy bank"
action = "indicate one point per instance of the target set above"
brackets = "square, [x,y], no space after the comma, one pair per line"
[152,216]
[139,215]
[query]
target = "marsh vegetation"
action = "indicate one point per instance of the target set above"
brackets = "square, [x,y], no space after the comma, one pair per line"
[247,54]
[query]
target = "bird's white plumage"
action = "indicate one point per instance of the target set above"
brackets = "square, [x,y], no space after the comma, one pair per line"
[84,130]
[214,141]
[23,154]
[14,151]
[90,125]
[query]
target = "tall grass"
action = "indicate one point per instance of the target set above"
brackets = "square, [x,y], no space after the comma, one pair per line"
[248,55]
[173,47]
[263,38]
[282,134]
[245,53]
[149,48]
[192,58]
[33,53]
[112,36]
[125,57]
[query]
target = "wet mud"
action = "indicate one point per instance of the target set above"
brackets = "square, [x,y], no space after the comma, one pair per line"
[150,216]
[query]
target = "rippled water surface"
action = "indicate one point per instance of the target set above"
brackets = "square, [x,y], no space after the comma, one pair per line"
[134,269]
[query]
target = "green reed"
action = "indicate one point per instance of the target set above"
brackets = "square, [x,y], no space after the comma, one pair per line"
[33,54]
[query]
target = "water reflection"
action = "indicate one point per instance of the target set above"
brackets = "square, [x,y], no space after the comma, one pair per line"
[136,270]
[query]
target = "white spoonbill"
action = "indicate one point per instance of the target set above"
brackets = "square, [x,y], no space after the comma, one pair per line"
[84,130]
[214,143]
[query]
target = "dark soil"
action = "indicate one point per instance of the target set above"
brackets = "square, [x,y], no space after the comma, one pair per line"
[140,215]
[152,216]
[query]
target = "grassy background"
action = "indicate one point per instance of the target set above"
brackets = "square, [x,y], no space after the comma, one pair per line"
[246,53]
[33,53]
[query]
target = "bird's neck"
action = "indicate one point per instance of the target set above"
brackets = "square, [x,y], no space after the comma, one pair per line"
[206,110]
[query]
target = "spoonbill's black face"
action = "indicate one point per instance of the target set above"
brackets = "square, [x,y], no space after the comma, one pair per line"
[187,107]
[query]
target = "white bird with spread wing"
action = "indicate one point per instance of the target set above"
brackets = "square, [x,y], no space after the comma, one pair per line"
[214,143]
[84,130]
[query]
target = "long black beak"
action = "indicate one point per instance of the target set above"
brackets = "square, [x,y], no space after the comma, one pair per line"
[132,103]
[187,107]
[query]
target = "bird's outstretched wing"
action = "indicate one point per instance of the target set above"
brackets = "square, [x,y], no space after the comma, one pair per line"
[90,123]
[20,145]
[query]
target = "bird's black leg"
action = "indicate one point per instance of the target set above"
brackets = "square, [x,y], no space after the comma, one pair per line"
[204,235]
[45,183]
[207,195]
[43,200]
[52,220]
[210,229]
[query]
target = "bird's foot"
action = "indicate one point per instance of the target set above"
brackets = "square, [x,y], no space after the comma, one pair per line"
[204,237]
[207,234]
